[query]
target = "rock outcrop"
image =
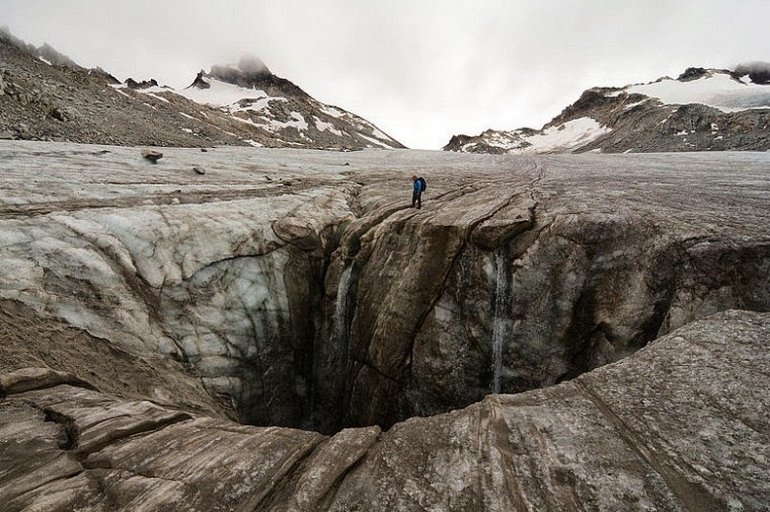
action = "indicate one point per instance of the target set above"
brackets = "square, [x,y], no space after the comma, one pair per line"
[678,426]
[144,84]
[299,289]
[251,73]
[702,110]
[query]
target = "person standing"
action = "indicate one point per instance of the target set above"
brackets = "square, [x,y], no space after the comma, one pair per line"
[418,187]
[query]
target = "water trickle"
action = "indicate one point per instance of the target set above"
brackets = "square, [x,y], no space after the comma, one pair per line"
[331,359]
[341,324]
[501,316]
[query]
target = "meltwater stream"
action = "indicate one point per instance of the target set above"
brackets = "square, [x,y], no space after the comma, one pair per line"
[331,359]
[501,316]
[341,324]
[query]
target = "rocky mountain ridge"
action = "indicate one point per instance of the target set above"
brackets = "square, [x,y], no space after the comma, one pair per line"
[47,96]
[702,110]
[249,73]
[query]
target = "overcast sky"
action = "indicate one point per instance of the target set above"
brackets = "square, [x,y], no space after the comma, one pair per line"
[422,70]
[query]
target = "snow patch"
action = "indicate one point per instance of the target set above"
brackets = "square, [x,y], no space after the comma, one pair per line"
[332,111]
[121,91]
[298,122]
[377,143]
[632,105]
[379,133]
[272,125]
[157,97]
[257,105]
[323,126]
[568,136]
[719,90]
[220,94]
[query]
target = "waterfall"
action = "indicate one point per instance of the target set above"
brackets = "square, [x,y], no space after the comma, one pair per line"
[341,309]
[331,359]
[501,322]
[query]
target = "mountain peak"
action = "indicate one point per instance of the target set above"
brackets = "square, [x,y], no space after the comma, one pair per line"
[693,74]
[55,57]
[250,73]
[200,81]
[45,52]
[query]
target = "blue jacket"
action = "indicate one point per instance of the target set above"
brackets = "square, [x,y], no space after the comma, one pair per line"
[417,185]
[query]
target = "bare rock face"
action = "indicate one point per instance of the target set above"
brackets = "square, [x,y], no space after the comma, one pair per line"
[661,430]
[56,58]
[174,303]
[144,84]
[252,73]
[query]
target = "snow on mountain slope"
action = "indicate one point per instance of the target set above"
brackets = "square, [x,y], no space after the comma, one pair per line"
[702,110]
[715,89]
[220,94]
[555,139]
[275,112]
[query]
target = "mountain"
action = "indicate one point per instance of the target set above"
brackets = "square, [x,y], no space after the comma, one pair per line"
[702,110]
[278,112]
[45,95]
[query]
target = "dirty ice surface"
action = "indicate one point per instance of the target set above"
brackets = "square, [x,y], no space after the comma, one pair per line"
[116,229]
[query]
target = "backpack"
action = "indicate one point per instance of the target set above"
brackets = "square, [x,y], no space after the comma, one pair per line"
[423,185]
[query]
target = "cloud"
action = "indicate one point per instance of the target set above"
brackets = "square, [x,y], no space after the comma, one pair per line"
[753,67]
[419,69]
[252,64]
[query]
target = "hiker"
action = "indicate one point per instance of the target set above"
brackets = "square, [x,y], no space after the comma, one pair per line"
[418,187]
